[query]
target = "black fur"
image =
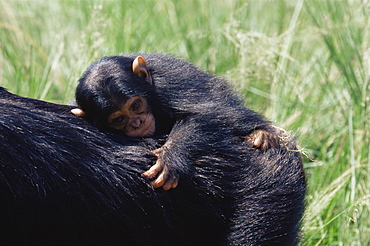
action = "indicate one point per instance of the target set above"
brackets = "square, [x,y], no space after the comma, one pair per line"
[64,182]
[179,94]
[180,89]
[203,117]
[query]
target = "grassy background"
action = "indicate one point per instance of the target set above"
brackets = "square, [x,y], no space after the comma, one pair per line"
[304,64]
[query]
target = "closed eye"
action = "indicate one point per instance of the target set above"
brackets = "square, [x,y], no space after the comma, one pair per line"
[119,120]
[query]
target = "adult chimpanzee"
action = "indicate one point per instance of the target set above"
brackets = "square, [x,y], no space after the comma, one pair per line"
[62,181]
[141,101]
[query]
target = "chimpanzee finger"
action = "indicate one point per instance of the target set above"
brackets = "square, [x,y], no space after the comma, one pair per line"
[175,183]
[167,185]
[153,171]
[171,183]
[259,140]
[158,152]
[160,181]
[264,146]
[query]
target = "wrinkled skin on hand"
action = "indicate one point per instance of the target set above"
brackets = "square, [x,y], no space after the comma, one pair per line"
[166,178]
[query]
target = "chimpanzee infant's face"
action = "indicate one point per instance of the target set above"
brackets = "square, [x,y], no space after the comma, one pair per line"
[134,118]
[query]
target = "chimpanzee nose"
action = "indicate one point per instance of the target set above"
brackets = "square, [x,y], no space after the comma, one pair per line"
[136,123]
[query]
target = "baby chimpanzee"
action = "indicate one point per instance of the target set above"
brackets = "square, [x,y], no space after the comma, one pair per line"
[163,95]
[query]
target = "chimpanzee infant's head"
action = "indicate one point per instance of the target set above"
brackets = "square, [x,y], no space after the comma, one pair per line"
[117,92]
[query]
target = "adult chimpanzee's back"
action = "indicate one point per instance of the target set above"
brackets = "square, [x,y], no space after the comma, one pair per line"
[62,181]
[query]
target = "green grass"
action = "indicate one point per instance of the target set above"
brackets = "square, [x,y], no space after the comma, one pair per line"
[304,64]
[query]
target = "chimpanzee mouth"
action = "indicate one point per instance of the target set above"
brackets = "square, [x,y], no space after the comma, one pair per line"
[148,131]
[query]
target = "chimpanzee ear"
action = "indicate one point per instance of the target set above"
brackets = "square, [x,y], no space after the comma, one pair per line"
[78,112]
[140,69]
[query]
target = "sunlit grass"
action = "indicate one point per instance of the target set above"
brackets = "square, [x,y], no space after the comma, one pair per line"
[304,64]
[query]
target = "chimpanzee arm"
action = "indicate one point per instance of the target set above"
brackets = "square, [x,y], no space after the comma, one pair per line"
[189,137]
[202,134]
[254,128]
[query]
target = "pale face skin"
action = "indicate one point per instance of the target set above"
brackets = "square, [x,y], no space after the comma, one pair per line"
[134,118]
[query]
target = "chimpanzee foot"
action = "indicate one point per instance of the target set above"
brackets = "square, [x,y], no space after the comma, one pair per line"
[165,179]
[264,139]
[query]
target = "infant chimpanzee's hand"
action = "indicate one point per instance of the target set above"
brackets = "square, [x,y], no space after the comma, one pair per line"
[266,139]
[166,178]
